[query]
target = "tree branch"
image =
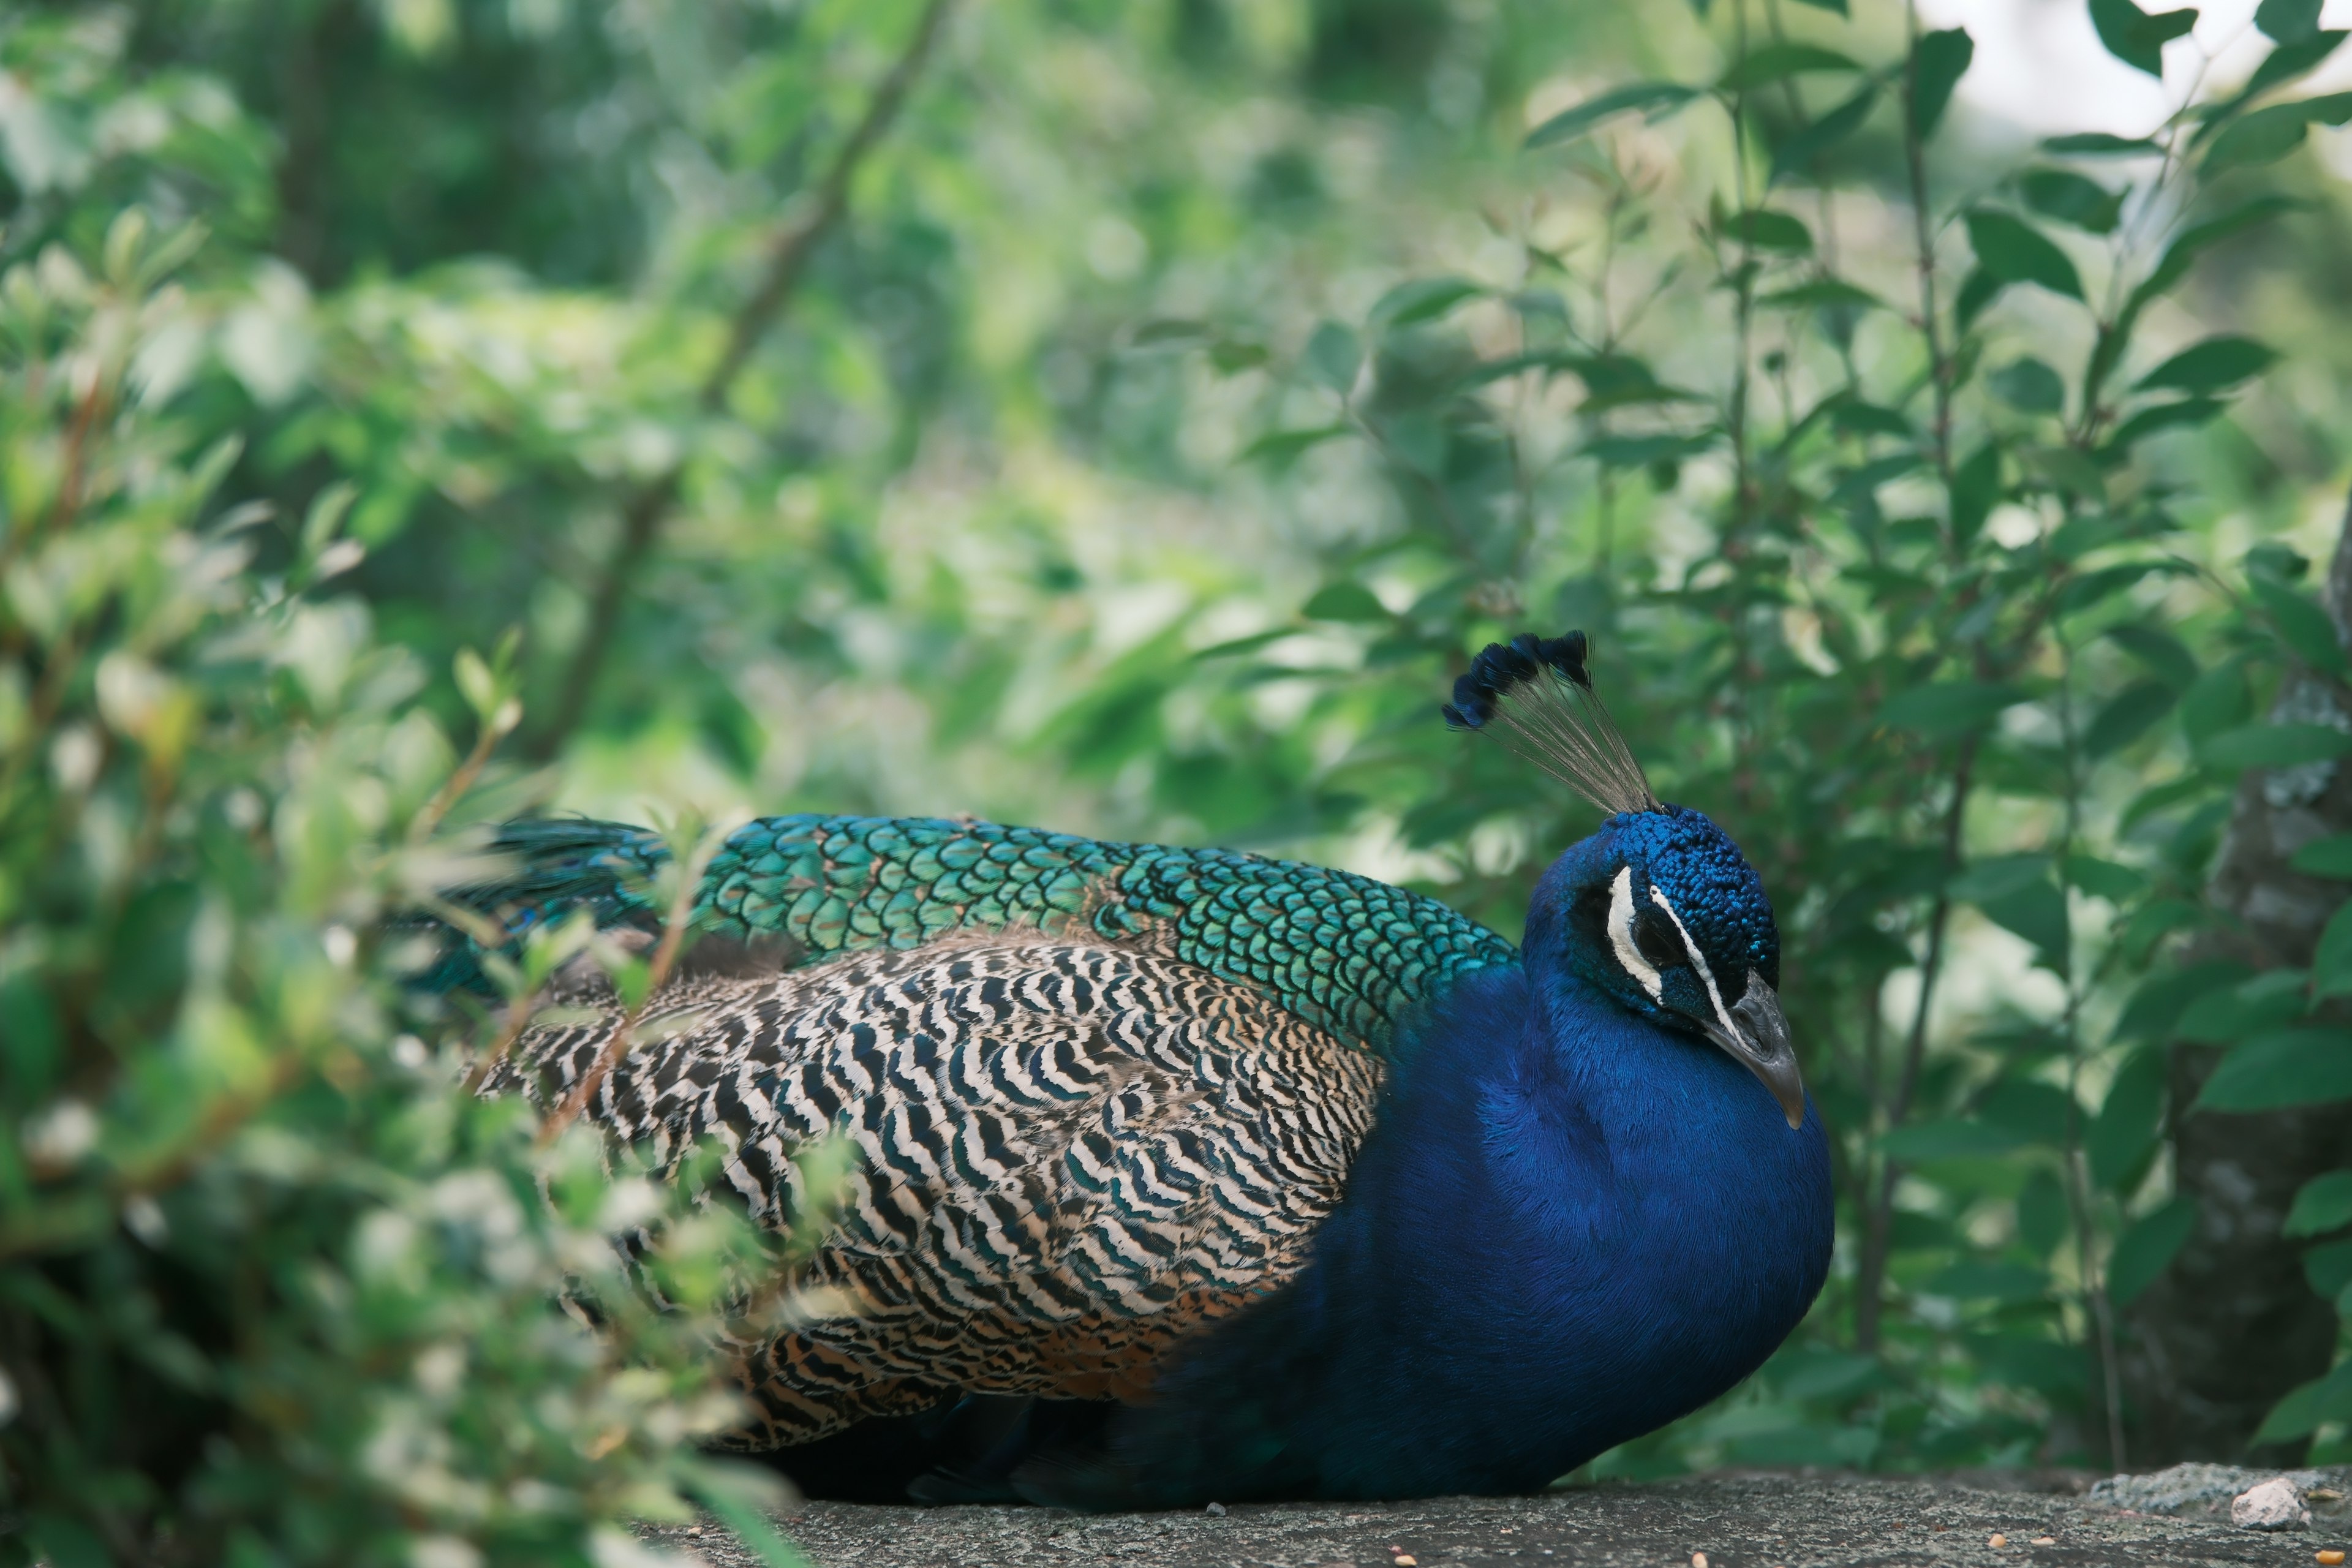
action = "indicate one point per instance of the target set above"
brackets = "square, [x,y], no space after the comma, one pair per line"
[649,508]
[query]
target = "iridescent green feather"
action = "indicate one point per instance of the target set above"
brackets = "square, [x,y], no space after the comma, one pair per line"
[1342,951]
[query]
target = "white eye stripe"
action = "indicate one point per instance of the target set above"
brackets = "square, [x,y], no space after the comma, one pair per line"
[1621,936]
[1722,1014]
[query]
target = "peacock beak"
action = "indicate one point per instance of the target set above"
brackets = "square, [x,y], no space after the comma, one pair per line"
[1758,1036]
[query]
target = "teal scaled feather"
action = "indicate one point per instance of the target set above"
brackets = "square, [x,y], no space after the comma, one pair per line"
[1340,951]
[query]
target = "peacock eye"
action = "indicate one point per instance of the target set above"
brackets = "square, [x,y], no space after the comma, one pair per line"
[1655,937]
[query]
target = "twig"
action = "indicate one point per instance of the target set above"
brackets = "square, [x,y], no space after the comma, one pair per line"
[649,508]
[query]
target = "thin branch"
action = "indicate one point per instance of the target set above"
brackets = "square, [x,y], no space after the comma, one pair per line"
[649,508]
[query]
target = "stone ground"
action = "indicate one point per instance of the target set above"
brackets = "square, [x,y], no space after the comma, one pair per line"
[2178,1517]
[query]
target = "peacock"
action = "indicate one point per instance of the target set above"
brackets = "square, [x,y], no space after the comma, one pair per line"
[1185,1176]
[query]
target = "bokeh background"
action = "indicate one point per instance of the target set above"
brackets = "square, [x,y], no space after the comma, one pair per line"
[1126,418]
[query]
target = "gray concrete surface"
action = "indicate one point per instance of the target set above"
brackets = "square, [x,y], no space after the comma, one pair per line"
[1738,1522]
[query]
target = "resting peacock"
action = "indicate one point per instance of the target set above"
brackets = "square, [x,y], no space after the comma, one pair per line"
[1186,1175]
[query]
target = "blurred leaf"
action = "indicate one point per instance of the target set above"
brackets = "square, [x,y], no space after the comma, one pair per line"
[1822,294]
[2273,746]
[2285,1068]
[1970,1281]
[2155,1007]
[1282,448]
[2210,366]
[1653,99]
[2331,960]
[2135,38]
[2041,1219]
[1919,1142]
[1775,62]
[2287,21]
[2130,714]
[2030,385]
[1976,490]
[2164,654]
[2146,1250]
[2249,1007]
[1420,300]
[2328,1267]
[1938,60]
[2323,1204]
[2269,135]
[1796,154]
[1345,600]
[2036,911]
[2323,1399]
[2103,878]
[2071,198]
[2188,413]
[1640,451]
[1947,709]
[1335,355]
[2015,251]
[2102,145]
[2330,856]
[2308,630]
[2292,59]
[2123,1133]
[2214,702]
[1765,229]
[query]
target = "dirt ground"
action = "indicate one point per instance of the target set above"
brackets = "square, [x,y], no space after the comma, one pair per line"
[2178,1517]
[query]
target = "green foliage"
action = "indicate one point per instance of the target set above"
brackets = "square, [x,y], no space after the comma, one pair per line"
[1187,391]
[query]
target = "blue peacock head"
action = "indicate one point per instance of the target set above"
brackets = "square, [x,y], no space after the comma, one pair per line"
[1658,911]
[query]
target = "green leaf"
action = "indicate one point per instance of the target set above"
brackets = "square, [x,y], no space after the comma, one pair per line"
[2128,714]
[2134,36]
[1765,229]
[1418,300]
[2071,198]
[1335,355]
[1943,709]
[1776,62]
[1973,1281]
[2290,60]
[2101,144]
[1344,601]
[1938,60]
[2037,912]
[1976,490]
[2123,1133]
[2148,1248]
[2273,746]
[1822,294]
[1919,1142]
[1796,154]
[2307,1066]
[2328,1267]
[2331,960]
[2323,1204]
[2029,384]
[1654,99]
[2330,857]
[2269,135]
[2188,412]
[2305,628]
[2303,1412]
[2015,251]
[1280,448]
[2165,657]
[1641,451]
[2215,702]
[2210,366]
[2287,21]
[2251,1007]
[2103,878]
[2155,1010]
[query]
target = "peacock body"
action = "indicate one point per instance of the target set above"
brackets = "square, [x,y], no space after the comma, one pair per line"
[1185,1174]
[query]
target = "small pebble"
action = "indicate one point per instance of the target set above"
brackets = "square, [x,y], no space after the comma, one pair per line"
[2046,1541]
[1698,1560]
[1407,1560]
[2330,1557]
[1218,1509]
[2275,1504]
[1997,1541]
[694,1530]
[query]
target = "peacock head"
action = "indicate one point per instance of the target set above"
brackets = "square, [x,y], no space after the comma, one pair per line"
[1659,910]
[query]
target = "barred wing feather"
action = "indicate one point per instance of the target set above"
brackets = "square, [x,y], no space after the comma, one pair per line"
[1073,1153]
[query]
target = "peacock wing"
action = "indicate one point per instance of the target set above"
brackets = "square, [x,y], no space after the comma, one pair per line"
[1351,955]
[1071,1153]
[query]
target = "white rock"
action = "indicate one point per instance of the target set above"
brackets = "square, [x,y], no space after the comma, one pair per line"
[2277,1504]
